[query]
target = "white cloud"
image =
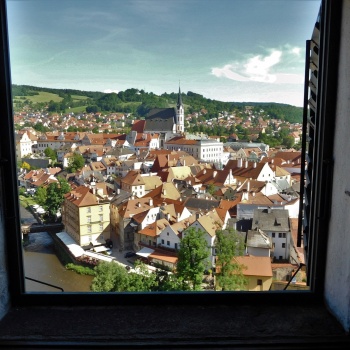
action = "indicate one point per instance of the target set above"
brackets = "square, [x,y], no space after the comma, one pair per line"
[258,67]
[296,50]
[275,68]
[109,91]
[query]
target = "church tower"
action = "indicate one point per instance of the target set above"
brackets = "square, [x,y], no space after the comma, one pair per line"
[180,115]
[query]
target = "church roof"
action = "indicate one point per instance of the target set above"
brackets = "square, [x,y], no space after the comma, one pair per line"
[160,119]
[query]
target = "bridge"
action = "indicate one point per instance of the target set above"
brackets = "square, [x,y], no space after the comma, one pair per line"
[36,227]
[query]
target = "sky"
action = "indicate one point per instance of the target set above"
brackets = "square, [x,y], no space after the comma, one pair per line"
[227,50]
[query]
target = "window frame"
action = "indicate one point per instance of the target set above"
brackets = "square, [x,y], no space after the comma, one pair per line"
[330,27]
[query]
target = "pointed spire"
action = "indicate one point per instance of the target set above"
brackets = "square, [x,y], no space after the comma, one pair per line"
[179,99]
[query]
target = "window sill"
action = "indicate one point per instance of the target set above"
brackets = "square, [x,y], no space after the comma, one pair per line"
[163,326]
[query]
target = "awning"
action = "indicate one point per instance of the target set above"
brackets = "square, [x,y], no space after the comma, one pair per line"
[73,247]
[145,252]
[100,248]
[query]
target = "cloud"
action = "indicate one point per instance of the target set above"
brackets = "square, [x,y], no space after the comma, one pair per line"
[274,67]
[296,50]
[109,91]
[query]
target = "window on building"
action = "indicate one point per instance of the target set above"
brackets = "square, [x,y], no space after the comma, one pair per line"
[259,282]
[283,245]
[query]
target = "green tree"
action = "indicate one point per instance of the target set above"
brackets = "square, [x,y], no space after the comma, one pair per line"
[229,244]
[41,195]
[64,185]
[109,277]
[54,198]
[166,282]
[55,195]
[112,277]
[192,259]
[50,153]
[75,163]
[142,280]
[288,141]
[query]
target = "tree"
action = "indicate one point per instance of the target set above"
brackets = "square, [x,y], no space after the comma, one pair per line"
[25,165]
[41,195]
[142,280]
[50,153]
[76,162]
[192,259]
[288,141]
[54,198]
[112,277]
[55,195]
[211,189]
[109,277]
[229,244]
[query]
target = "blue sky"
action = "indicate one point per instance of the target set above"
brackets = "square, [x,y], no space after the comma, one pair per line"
[228,50]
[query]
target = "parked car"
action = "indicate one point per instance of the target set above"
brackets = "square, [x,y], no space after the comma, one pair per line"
[129,254]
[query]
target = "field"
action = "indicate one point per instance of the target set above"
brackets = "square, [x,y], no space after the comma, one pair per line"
[47,97]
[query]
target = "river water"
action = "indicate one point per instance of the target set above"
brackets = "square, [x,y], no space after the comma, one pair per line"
[41,263]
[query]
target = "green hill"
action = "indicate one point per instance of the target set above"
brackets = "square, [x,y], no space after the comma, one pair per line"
[139,102]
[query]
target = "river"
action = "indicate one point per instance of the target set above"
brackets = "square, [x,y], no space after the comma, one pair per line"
[41,263]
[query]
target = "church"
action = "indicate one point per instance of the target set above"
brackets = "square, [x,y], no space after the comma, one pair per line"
[167,122]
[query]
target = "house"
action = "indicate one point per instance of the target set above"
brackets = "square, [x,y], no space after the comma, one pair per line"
[209,224]
[275,223]
[250,170]
[258,272]
[123,228]
[86,217]
[258,243]
[23,145]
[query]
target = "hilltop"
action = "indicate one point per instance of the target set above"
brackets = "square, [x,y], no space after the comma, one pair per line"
[139,102]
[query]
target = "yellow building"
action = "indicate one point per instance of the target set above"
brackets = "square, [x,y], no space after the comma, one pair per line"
[257,270]
[85,216]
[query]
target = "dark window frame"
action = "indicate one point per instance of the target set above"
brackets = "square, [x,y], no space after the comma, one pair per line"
[330,27]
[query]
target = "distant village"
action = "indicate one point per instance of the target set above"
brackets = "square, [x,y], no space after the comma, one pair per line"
[143,189]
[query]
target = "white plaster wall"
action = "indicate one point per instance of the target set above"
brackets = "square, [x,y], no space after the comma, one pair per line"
[337,285]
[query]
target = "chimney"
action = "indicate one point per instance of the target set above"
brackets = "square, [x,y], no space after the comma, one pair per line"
[254,164]
[248,186]
[151,202]
[164,191]
[239,162]
[246,164]
[178,216]
[168,216]
[215,173]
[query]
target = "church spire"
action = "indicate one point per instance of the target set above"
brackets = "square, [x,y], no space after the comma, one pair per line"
[179,99]
[180,114]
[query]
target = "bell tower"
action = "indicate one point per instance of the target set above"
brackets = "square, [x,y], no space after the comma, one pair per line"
[180,114]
